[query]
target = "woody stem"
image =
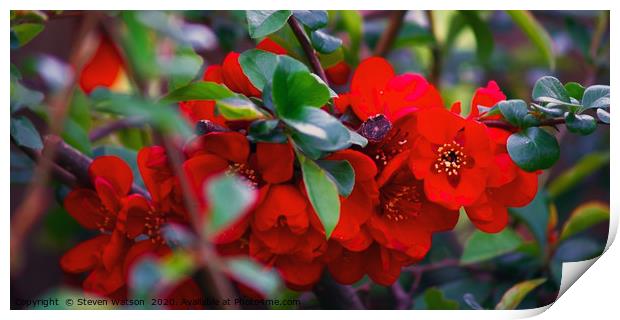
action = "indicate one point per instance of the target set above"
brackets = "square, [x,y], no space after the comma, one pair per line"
[301,36]
[543,123]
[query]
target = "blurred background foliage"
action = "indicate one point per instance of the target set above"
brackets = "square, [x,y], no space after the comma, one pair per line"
[458,50]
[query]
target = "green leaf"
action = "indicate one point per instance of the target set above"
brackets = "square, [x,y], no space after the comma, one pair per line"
[79,110]
[484,246]
[516,112]
[238,108]
[602,115]
[25,134]
[353,23]
[582,124]
[294,90]
[341,172]
[320,129]
[245,270]
[229,198]
[313,19]
[550,89]
[533,149]
[138,45]
[264,22]
[200,90]
[435,300]
[513,297]
[266,131]
[23,97]
[574,90]
[259,66]
[584,217]
[596,96]
[536,33]
[25,32]
[76,136]
[536,216]
[322,192]
[586,166]
[482,33]
[324,43]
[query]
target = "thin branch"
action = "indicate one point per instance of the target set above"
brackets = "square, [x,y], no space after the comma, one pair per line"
[301,36]
[436,62]
[111,127]
[58,172]
[391,32]
[543,123]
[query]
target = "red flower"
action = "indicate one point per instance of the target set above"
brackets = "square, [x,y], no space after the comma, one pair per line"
[486,97]
[508,186]
[375,89]
[338,74]
[105,67]
[270,46]
[452,156]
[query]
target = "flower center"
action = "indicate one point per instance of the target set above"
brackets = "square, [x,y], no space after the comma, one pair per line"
[392,145]
[450,159]
[153,222]
[248,174]
[400,197]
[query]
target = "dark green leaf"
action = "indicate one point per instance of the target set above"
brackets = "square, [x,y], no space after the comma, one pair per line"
[435,300]
[313,19]
[341,172]
[516,112]
[536,216]
[264,22]
[324,43]
[596,96]
[251,274]
[602,115]
[200,90]
[513,297]
[238,108]
[484,246]
[138,45]
[482,32]
[586,166]
[229,198]
[23,97]
[533,149]
[353,24]
[266,131]
[574,90]
[322,192]
[550,89]
[582,124]
[536,33]
[26,31]
[76,136]
[25,134]
[320,129]
[584,217]
[294,90]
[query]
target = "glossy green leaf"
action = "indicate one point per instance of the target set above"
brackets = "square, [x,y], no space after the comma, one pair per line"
[259,66]
[229,198]
[585,167]
[264,22]
[324,43]
[435,300]
[536,216]
[292,91]
[603,115]
[266,131]
[313,19]
[536,33]
[25,134]
[513,297]
[252,274]
[584,217]
[320,129]
[200,90]
[550,89]
[596,96]
[574,90]
[341,172]
[517,113]
[582,124]
[238,108]
[483,246]
[25,32]
[322,192]
[533,149]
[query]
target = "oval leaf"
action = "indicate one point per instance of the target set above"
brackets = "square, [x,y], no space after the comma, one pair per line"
[25,134]
[582,124]
[253,275]
[596,96]
[516,112]
[550,89]
[342,174]
[324,43]
[313,19]
[264,22]
[584,217]
[238,108]
[229,198]
[513,297]
[533,149]
[200,90]
[484,246]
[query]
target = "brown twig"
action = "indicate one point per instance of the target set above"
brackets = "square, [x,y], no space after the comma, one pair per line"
[389,35]
[301,36]
[436,62]
[111,127]
[543,123]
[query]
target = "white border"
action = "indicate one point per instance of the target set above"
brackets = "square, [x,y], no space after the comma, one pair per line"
[594,295]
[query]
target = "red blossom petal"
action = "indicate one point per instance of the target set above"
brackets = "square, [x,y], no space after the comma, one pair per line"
[275,161]
[486,97]
[85,256]
[85,207]
[235,79]
[135,211]
[214,73]
[270,46]
[232,146]
[104,67]
[489,217]
[114,170]
[381,265]
[348,267]
[338,74]
[439,125]
[104,282]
